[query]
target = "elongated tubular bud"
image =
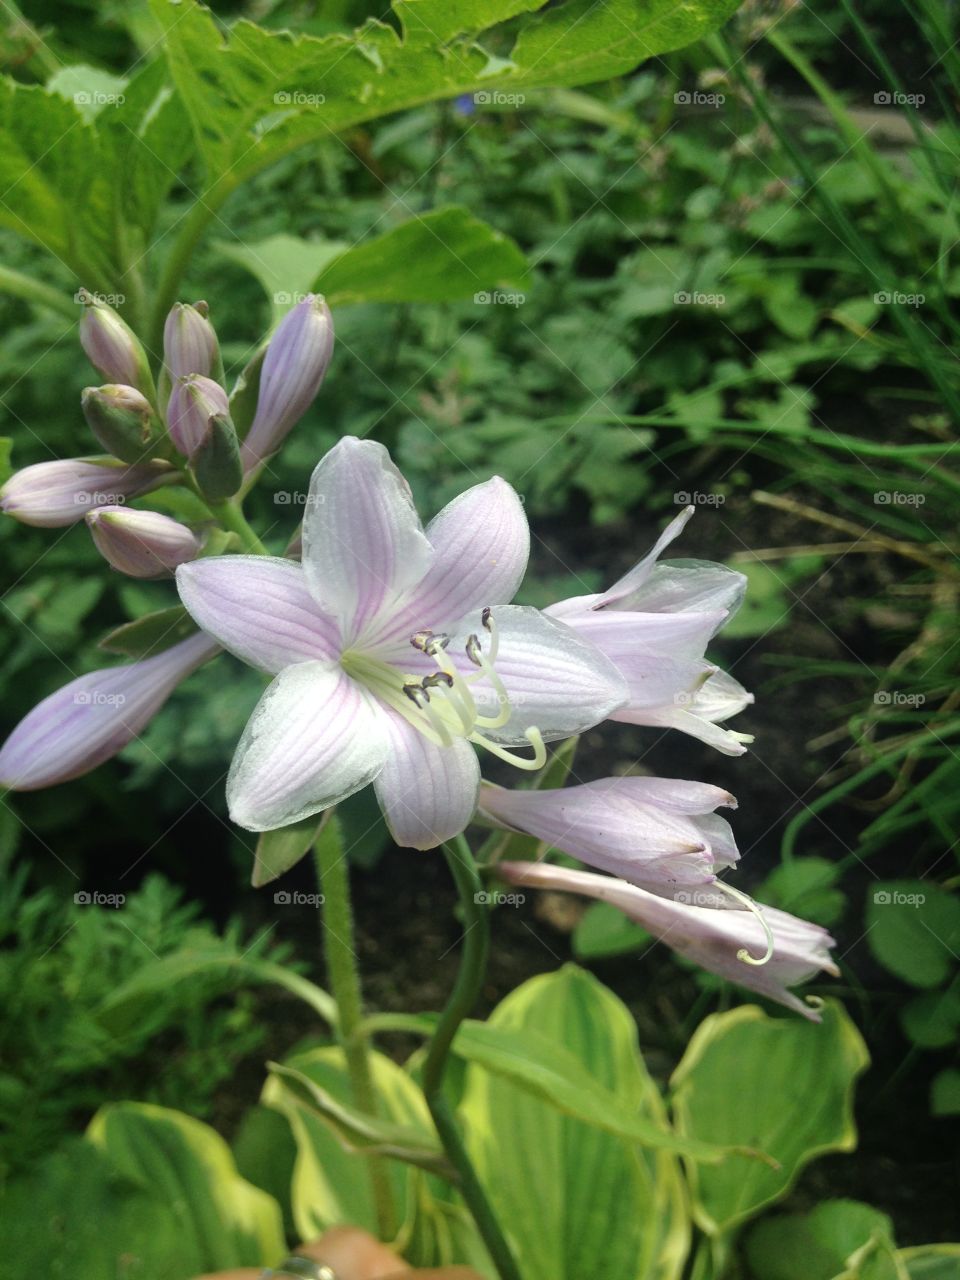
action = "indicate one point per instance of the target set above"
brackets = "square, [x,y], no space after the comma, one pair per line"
[141,544]
[293,369]
[194,400]
[122,420]
[190,342]
[112,347]
[53,494]
[93,717]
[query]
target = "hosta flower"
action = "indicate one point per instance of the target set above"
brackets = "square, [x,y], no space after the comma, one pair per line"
[93,717]
[293,368]
[732,944]
[655,624]
[122,420]
[111,345]
[660,833]
[194,401]
[142,544]
[395,651]
[51,494]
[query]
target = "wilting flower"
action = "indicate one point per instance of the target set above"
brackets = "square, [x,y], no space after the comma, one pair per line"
[111,345]
[95,716]
[655,624]
[375,640]
[660,833]
[189,342]
[730,943]
[142,544]
[51,494]
[293,369]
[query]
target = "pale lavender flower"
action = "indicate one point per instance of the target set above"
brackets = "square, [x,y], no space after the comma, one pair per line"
[93,717]
[655,624]
[389,661]
[52,494]
[729,943]
[142,544]
[194,401]
[293,369]
[189,342]
[660,833]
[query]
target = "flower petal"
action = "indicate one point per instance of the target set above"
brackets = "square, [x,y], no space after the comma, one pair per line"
[428,794]
[95,716]
[363,544]
[259,608]
[314,738]
[689,586]
[555,680]
[481,544]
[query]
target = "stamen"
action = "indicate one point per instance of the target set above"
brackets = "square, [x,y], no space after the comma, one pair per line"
[743,954]
[473,650]
[533,736]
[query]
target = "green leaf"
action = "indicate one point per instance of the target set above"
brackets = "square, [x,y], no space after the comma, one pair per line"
[330,1184]
[222,1218]
[913,928]
[285,265]
[945,1093]
[573,1193]
[278,851]
[150,634]
[441,257]
[604,931]
[932,1020]
[75,1204]
[785,1082]
[837,1237]
[258,94]
[932,1261]
[359,1132]
[805,886]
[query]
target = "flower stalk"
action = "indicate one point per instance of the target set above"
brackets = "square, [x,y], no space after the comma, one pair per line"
[463,998]
[343,978]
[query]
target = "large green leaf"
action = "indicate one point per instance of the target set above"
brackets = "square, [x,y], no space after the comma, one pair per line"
[783,1084]
[932,1261]
[331,1184]
[256,94]
[577,1200]
[74,1217]
[913,928]
[837,1238]
[222,1219]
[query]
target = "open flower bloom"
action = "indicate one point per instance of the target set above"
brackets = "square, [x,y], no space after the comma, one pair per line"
[731,944]
[659,833]
[655,624]
[95,716]
[394,650]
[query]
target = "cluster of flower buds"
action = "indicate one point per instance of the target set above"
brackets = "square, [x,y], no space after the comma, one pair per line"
[180,428]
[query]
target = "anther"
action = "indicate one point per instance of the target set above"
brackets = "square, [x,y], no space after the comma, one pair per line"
[414,692]
[473,650]
[421,639]
[438,677]
[485,617]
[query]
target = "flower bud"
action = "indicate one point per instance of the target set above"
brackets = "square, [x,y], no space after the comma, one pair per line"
[111,345]
[142,544]
[52,494]
[121,419]
[190,342]
[95,716]
[194,401]
[216,461]
[293,369]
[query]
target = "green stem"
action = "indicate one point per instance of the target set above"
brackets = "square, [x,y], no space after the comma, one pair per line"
[463,998]
[344,980]
[231,517]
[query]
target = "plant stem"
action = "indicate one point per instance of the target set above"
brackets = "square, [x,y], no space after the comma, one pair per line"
[463,997]
[231,516]
[344,980]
